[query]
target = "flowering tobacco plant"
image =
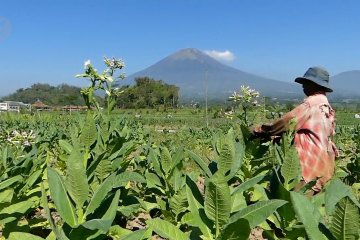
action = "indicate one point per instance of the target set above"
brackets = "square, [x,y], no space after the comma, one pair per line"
[103,82]
[245,99]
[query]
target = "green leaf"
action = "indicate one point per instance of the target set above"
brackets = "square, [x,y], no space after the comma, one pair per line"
[200,162]
[248,184]
[123,178]
[88,131]
[10,181]
[334,192]
[97,224]
[238,160]
[179,202]
[345,222]
[238,230]
[66,146]
[59,234]
[100,194]
[226,156]
[23,236]
[196,207]
[258,212]
[290,168]
[103,169]
[60,197]
[307,215]
[20,207]
[166,160]
[138,235]
[166,229]
[153,158]
[111,212]
[6,195]
[76,180]
[217,200]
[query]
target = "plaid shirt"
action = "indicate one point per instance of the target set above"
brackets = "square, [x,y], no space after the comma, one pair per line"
[315,125]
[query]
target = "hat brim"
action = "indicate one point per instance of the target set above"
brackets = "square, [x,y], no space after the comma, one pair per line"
[302,80]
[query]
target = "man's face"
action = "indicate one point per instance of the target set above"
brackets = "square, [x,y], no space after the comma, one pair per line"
[309,88]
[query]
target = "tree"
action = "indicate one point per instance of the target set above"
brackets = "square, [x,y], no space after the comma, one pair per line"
[148,93]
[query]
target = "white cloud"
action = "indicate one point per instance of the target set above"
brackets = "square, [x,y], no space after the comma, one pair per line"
[221,55]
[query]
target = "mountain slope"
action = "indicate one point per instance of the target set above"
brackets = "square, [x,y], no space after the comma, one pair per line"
[346,83]
[193,70]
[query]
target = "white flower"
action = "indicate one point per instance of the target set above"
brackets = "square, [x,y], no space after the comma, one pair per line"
[87,63]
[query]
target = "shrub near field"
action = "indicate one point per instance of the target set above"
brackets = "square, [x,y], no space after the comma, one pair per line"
[100,176]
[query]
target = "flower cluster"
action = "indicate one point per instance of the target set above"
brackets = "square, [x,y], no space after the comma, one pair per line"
[114,63]
[23,138]
[246,95]
[102,81]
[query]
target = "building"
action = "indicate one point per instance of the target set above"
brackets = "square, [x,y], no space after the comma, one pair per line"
[40,106]
[11,106]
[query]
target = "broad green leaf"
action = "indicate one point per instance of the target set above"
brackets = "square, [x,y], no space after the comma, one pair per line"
[166,160]
[111,212]
[238,160]
[138,235]
[226,156]
[290,168]
[62,202]
[103,169]
[217,200]
[166,229]
[200,162]
[345,222]
[100,194]
[334,192]
[153,180]
[238,230]
[123,178]
[177,180]
[248,184]
[116,232]
[20,207]
[196,208]
[76,180]
[257,212]
[23,236]
[6,195]
[66,146]
[179,202]
[10,181]
[153,158]
[32,179]
[238,202]
[97,224]
[88,131]
[59,234]
[104,224]
[306,212]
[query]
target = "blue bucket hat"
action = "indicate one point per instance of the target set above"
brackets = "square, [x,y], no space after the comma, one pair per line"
[318,76]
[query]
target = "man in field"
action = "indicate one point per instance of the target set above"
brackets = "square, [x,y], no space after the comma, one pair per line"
[315,125]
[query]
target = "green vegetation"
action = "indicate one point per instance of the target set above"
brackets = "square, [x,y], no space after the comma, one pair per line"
[50,95]
[106,175]
[148,93]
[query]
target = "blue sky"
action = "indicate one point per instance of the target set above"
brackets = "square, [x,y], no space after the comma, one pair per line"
[48,41]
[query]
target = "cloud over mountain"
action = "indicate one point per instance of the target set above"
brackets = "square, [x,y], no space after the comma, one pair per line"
[221,55]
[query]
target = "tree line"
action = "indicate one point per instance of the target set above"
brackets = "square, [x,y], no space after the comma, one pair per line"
[146,93]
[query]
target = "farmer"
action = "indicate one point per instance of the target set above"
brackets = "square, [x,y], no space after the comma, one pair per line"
[313,130]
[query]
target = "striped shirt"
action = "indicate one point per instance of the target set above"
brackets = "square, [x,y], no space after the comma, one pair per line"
[315,125]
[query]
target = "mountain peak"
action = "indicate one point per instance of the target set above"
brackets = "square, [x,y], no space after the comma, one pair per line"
[188,54]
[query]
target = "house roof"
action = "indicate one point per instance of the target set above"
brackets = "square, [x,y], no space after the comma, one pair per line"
[39,104]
